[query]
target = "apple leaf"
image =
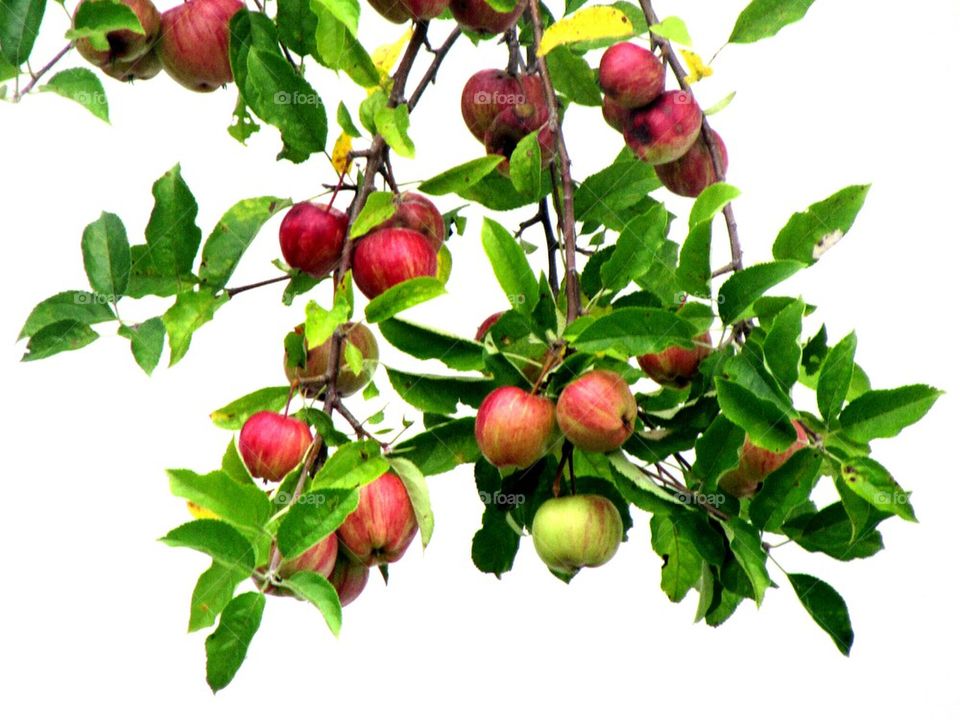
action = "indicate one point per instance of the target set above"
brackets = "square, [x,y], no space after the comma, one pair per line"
[80,306]
[765,18]
[510,266]
[674,29]
[439,394]
[173,237]
[711,201]
[636,249]
[693,271]
[106,257]
[425,343]
[605,195]
[227,645]
[340,50]
[313,517]
[83,87]
[352,466]
[461,177]
[784,489]
[495,544]
[188,314]
[636,331]
[826,607]
[95,18]
[419,494]
[218,539]
[378,208]
[831,532]
[766,425]
[297,26]
[593,23]
[146,342]
[403,296]
[681,567]
[836,374]
[884,413]
[718,450]
[441,448]
[393,123]
[742,288]
[810,233]
[244,506]
[573,77]
[317,590]
[232,465]
[19,24]
[59,337]
[782,345]
[746,547]
[211,594]
[525,166]
[233,415]
[872,482]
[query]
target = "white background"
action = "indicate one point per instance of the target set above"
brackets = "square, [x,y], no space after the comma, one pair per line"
[95,609]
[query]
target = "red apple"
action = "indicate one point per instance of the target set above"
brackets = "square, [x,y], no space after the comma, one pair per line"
[348,578]
[756,463]
[693,172]
[486,325]
[424,9]
[385,258]
[512,125]
[490,92]
[195,41]
[576,531]
[272,444]
[392,10]
[616,116]
[665,129]
[312,238]
[416,212]
[318,360]
[383,525]
[596,412]
[630,75]
[479,17]
[319,558]
[514,429]
[125,45]
[676,365]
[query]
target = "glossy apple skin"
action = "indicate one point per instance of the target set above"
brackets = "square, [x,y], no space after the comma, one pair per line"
[348,578]
[631,76]
[382,527]
[392,10]
[676,366]
[511,126]
[514,429]
[416,212]
[664,130]
[385,258]
[756,463]
[486,325]
[318,360]
[320,558]
[143,68]
[693,173]
[125,45]
[478,16]
[272,444]
[424,9]
[576,531]
[615,116]
[195,41]
[597,411]
[312,238]
[489,92]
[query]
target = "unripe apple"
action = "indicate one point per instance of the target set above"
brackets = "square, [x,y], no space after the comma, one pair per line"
[577,531]
[272,444]
[392,10]
[383,525]
[385,258]
[616,116]
[143,68]
[512,125]
[756,463]
[489,92]
[318,360]
[195,43]
[486,325]
[416,212]
[630,75]
[424,9]
[312,238]
[479,17]
[676,365]
[596,412]
[514,429]
[125,45]
[348,578]
[319,558]
[665,129]
[693,172]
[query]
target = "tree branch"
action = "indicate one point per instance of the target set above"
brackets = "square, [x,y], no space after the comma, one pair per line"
[430,75]
[35,77]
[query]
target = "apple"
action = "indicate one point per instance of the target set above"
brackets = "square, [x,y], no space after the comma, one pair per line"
[385,258]
[486,325]
[596,412]
[125,45]
[312,238]
[424,9]
[416,212]
[615,115]
[143,68]
[348,578]
[318,360]
[756,463]
[489,92]
[392,10]
[272,444]
[665,129]
[195,41]
[512,125]
[383,525]
[693,172]
[676,365]
[477,16]
[319,558]
[576,531]
[631,76]
[514,429]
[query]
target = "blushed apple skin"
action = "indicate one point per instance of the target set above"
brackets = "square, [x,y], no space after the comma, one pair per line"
[348,578]
[318,360]
[194,43]
[756,463]
[577,531]
[319,558]
[385,258]
[424,9]
[486,325]
[676,366]
[511,126]
[664,130]
[514,429]
[631,76]
[694,172]
[272,444]
[125,45]
[478,16]
[489,92]
[416,212]
[614,115]
[312,238]
[383,525]
[597,411]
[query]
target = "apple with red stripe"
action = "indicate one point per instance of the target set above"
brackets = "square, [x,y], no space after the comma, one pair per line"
[272,444]
[383,525]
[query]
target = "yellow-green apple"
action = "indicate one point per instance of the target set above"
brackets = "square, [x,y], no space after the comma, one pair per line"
[311,376]
[272,444]
[514,428]
[312,238]
[576,531]
[597,411]
[383,525]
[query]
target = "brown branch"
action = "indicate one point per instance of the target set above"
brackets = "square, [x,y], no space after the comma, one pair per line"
[430,75]
[543,218]
[35,77]
[231,292]
[354,423]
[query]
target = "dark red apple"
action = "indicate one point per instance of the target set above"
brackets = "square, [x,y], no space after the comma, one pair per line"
[756,463]
[392,10]
[514,429]
[490,92]
[616,116]
[195,42]
[693,172]
[312,238]
[385,258]
[512,125]
[272,444]
[597,411]
[125,45]
[478,16]
[665,129]
[486,325]
[383,525]
[424,9]
[318,360]
[676,365]
[416,212]
[348,578]
[630,75]
[576,531]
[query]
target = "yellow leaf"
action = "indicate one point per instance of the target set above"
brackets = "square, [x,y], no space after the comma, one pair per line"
[200,513]
[698,68]
[341,153]
[592,23]
[385,56]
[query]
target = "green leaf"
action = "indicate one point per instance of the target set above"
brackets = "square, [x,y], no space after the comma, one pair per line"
[747,549]
[82,307]
[711,201]
[441,448]
[419,493]
[525,167]
[232,236]
[394,125]
[830,531]
[510,266]
[573,77]
[693,271]
[765,18]
[884,413]
[835,376]
[743,288]
[811,233]
[297,27]
[59,337]
[244,506]
[461,177]
[767,426]
[403,296]
[438,394]
[232,465]
[427,344]
[233,415]
[188,314]
[606,196]
[146,342]
[94,19]
[495,544]
[346,122]
[346,11]
[872,482]
[217,539]
[674,29]
[352,466]
[785,489]
[682,563]
[19,23]
[636,249]
[173,237]
[782,345]
[340,50]
[314,517]
[211,594]
[636,331]
[378,208]
[227,645]
[658,499]
[322,323]
[826,607]
[718,450]
[83,87]
[317,590]
[106,256]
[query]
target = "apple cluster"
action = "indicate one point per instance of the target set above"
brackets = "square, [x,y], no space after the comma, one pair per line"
[473,15]
[662,127]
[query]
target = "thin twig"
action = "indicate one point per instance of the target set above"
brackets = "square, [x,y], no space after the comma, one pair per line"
[357,426]
[231,292]
[35,77]
[430,75]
